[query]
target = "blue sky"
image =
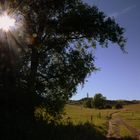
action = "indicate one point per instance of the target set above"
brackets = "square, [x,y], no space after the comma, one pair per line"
[119,77]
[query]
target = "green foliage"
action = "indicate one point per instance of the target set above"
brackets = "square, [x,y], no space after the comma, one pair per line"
[41,114]
[99,101]
[119,104]
[88,103]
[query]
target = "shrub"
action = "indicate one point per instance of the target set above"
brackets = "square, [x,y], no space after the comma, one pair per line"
[118,106]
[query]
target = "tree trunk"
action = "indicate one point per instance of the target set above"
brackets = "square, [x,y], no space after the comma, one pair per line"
[33,72]
[31,91]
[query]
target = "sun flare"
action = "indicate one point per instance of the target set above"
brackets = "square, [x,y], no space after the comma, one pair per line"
[6,22]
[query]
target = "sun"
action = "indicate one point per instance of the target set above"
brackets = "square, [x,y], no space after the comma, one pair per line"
[6,22]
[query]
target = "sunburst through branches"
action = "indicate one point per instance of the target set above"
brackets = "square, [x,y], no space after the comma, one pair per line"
[6,22]
[11,27]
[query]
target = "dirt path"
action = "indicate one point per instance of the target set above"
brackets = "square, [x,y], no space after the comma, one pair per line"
[114,131]
[114,128]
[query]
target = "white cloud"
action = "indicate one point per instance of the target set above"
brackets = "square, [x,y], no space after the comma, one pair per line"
[124,11]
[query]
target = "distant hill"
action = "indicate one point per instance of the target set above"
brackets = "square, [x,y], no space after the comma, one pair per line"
[109,102]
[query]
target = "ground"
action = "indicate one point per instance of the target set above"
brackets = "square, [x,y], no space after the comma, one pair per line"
[115,125]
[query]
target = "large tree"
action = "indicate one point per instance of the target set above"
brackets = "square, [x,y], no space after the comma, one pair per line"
[99,101]
[54,40]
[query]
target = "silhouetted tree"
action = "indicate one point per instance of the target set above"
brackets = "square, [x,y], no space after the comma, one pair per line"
[57,37]
[99,101]
[88,102]
[118,105]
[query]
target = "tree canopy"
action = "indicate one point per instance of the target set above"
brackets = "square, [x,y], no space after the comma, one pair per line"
[99,101]
[54,39]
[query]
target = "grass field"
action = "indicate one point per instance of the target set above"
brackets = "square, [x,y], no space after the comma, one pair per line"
[78,114]
[100,118]
[131,115]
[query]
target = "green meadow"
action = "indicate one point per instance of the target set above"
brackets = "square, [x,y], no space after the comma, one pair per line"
[78,114]
[100,118]
[131,115]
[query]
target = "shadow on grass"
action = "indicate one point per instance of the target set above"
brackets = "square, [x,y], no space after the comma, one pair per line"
[42,131]
[85,131]
[123,138]
[27,130]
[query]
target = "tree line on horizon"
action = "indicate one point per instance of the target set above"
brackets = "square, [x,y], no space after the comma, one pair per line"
[101,102]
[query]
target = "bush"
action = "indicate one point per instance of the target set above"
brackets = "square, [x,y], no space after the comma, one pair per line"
[118,106]
[88,103]
[107,106]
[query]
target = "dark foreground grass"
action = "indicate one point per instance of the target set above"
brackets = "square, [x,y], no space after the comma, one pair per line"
[20,128]
[69,131]
[42,131]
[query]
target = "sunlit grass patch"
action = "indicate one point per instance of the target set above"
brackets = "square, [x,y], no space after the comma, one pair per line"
[100,117]
[124,132]
[78,114]
[131,115]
